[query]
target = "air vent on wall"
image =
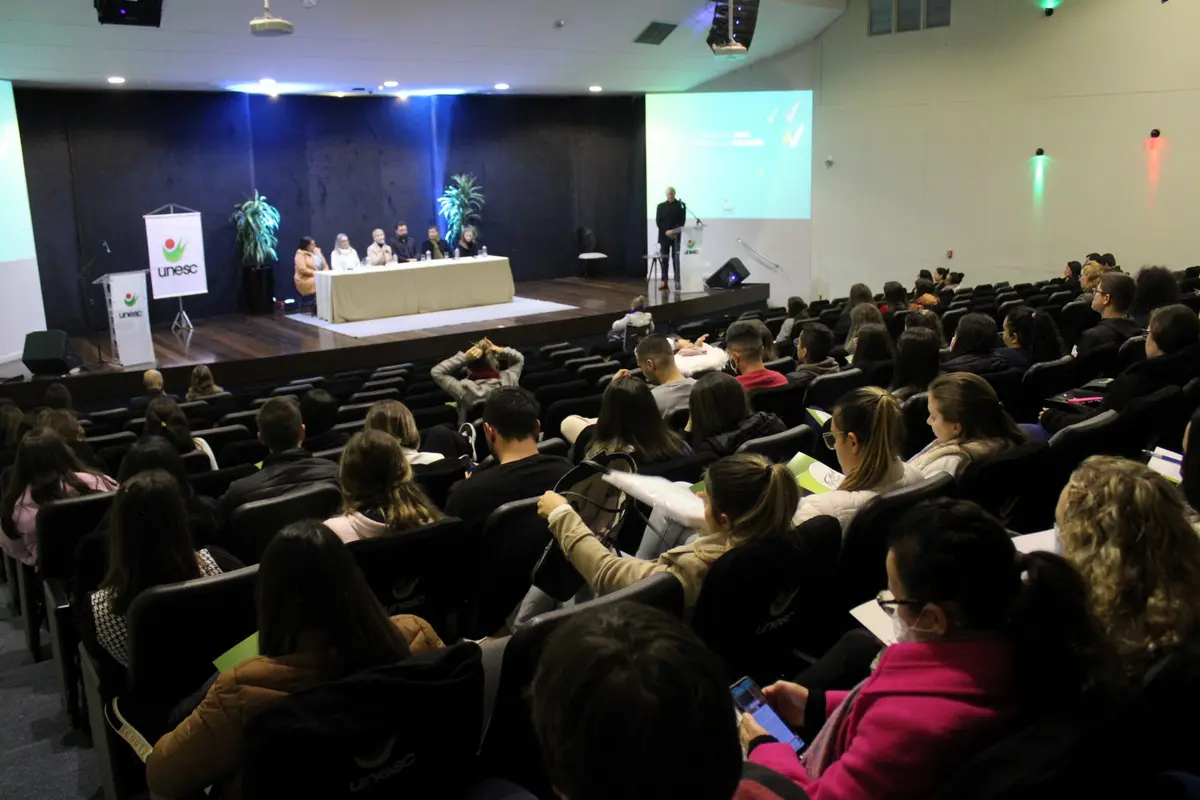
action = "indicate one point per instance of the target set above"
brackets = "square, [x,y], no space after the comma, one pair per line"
[655,33]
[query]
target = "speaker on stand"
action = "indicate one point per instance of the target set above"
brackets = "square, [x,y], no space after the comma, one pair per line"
[729,276]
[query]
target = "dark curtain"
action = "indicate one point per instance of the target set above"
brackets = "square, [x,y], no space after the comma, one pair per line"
[97,161]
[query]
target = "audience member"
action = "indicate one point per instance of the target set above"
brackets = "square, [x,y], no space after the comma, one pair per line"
[925,295]
[511,427]
[433,247]
[637,317]
[721,420]
[987,639]
[918,359]
[156,453]
[956,279]
[152,386]
[66,425]
[1190,469]
[378,252]
[165,418]
[863,314]
[318,411]
[941,276]
[404,247]
[1071,277]
[813,348]
[866,434]
[288,465]
[924,318]
[797,313]
[202,384]
[380,497]
[895,298]
[57,397]
[617,682]
[747,353]
[1113,300]
[46,469]
[656,358]
[1172,359]
[308,263]
[149,544]
[1109,261]
[922,275]
[746,498]
[343,256]
[859,293]
[973,348]
[968,424]
[318,621]
[629,422]
[468,246]
[12,423]
[482,363]
[1089,279]
[1030,337]
[393,417]
[873,345]
[1156,287]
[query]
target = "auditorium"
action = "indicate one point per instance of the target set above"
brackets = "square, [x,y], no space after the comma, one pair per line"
[697,399]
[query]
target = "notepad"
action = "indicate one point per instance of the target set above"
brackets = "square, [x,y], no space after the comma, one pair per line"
[814,476]
[1167,463]
[1034,542]
[246,648]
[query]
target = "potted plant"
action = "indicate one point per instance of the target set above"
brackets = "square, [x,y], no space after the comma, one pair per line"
[460,205]
[257,224]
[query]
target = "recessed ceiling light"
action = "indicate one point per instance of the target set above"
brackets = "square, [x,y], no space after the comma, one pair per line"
[266,82]
[595,88]
[391,84]
[116,79]
[500,87]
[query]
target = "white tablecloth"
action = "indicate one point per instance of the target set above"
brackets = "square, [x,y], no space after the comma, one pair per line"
[413,288]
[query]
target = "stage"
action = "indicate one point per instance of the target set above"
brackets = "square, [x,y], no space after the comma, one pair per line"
[243,349]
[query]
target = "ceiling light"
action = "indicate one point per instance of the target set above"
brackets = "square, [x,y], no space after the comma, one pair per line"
[391,84]
[116,79]
[265,82]
[500,87]
[595,88]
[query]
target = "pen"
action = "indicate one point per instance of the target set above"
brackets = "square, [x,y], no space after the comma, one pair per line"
[1170,459]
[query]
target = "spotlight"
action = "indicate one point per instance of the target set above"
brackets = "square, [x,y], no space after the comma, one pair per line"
[595,89]
[1154,134]
[500,87]
[116,79]
[391,84]
[1049,12]
[1040,152]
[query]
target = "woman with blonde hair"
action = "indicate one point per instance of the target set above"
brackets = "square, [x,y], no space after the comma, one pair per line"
[866,432]
[968,424]
[747,498]
[1126,529]
[343,256]
[380,497]
[202,384]
[394,418]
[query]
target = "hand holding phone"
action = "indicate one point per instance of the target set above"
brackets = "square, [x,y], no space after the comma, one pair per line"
[748,698]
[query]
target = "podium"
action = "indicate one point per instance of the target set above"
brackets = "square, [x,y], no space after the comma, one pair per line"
[128,317]
[693,264]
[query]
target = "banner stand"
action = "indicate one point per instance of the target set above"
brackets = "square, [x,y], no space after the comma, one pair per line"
[182,321]
[176,217]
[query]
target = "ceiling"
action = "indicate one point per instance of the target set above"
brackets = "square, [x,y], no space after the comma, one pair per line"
[343,44]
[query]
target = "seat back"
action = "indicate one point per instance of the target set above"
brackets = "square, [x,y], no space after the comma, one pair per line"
[1007,386]
[1096,435]
[353,411]
[1014,487]
[374,396]
[1147,419]
[253,525]
[61,524]
[633,335]
[782,365]
[552,393]
[219,438]
[421,572]
[780,447]
[196,462]
[785,402]
[877,373]
[760,602]
[430,416]
[917,433]
[1133,351]
[215,482]
[1076,317]
[249,451]
[1041,381]
[110,439]
[826,390]
[862,571]
[1100,362]
[951,319]
[552,417]
[438,478]
[177,630]
[514,538]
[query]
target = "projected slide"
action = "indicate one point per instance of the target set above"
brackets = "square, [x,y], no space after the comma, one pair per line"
[741,155]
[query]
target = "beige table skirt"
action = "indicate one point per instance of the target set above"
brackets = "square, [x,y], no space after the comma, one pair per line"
[413,288]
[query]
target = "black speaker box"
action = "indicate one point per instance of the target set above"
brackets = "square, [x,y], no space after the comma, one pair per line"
[728,276]
[47,353]
[143,13]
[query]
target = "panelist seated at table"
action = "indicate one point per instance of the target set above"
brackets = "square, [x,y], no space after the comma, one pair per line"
[343,256]
[379,254]
[309,262]
[468,244]
[433,245]
[404,247]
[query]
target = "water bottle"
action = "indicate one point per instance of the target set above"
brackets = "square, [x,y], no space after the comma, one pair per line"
[427,255]
[483,250]
[457,254]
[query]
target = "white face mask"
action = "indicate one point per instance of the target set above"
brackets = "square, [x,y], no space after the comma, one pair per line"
[905,632]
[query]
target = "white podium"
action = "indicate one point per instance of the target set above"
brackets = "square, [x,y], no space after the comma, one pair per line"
[693,263]
[128,317]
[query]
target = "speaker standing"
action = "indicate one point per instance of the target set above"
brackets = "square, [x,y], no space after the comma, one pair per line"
[670,217]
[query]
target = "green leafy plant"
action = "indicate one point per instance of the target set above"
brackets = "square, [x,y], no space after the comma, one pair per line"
[257,223]
[460,205]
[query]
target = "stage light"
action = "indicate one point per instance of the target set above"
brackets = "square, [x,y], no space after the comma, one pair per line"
[391,84]
[1040,152]
[116,80]
[500,87]
[339,94]
[266,82]
[595,88]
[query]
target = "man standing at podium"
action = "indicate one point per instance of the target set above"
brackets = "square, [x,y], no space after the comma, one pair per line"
[670,217]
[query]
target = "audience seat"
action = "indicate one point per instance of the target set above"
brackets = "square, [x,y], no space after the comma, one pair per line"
[216,482]
[1097,435]
[917,433]
[1014,488]
[1102,362]
[781,447]
[510,748]
[1062,298]
[250,451]
[333,454]
[513,540]
[292,389]
[573,365]
[1041,381]
[765,607]
[1133,351]
[430,399]
[218,438]
[374,396]
[1076,317]
[547,395]
[196,462]
[438,478]
[249,419]
[1007,386]
[535,380]
[109,439]
[826,390]
[895,323]
[136,426]
[877,373]
[786,402]
[782,365]
[545,351]
[829,317]
[262,401]
[381,384]
[430,416]
[688,469]
[950,321]
[677,420]
[561,357]
[552,417]
[591,373]
[253,525]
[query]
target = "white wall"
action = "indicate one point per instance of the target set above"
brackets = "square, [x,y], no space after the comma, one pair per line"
[21,310]
[932,134]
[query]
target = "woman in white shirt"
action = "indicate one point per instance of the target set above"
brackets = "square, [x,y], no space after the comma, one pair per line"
[394,418]
[968,423]
[344,256]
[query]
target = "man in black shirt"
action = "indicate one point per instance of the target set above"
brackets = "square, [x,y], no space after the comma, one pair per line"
[670,216]
[318,410]
[510,423]
[1113,300]
[404,246]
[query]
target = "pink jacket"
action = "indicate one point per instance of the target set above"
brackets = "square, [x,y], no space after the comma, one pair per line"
[24,549]
[926,710]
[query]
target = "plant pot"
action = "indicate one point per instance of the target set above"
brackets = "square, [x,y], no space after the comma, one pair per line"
[258,287]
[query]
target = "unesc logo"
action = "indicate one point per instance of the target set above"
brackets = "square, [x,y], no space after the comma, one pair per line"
[186,269]
[173,252]
[130,300]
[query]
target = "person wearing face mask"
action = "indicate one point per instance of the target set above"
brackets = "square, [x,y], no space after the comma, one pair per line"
[344,256]
[379,254]
[404,247]
[987,640]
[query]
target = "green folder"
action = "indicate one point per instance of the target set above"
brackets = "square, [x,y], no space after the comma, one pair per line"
[800,467]
[245,649]
[820,416]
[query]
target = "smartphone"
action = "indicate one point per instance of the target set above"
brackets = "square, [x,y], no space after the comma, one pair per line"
[748,699]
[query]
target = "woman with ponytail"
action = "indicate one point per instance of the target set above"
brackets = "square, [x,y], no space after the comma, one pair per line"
[987,639]
[380,497]
[165,418]
[866,433]
[1030,337]
[968,424]
[748,497]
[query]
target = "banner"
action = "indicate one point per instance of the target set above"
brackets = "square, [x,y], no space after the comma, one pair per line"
[176,244]
[129,318]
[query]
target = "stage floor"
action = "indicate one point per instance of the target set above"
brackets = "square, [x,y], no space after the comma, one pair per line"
[246,349]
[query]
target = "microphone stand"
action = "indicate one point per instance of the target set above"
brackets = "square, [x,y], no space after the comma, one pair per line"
[699,222]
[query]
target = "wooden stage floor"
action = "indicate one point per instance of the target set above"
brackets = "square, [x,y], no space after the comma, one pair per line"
[246,349]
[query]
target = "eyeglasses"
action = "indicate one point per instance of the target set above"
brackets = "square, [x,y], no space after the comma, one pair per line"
[830,439]
[888,602]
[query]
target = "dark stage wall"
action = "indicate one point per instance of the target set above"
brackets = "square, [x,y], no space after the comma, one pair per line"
[97,161]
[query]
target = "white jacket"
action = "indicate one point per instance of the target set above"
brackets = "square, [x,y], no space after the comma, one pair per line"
[844,505]
[953,457]
[344,259]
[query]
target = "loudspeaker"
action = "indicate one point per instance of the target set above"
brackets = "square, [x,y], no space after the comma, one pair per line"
[47,353]
[729,276]
[144,13]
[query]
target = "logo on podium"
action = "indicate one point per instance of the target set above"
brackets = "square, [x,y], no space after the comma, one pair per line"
[130,300]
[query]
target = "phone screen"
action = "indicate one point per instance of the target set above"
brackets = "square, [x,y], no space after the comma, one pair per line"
[748,699]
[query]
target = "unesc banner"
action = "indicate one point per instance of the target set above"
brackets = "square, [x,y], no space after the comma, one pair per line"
[176,244]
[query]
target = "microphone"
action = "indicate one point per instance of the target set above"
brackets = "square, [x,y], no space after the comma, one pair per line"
[685,208]
[107,249]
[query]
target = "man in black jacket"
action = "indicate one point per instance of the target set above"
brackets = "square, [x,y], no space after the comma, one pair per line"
[288,466]
[1113,301]
[670,217]
[404,246]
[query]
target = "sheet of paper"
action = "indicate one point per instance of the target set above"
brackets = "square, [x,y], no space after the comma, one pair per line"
[1034,542]
[814,476]
[876,620]
[820,416]
[1167,464]
[677,501]
[247,648]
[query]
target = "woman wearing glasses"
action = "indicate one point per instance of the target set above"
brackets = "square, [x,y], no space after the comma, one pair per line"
[980,650]
[867,429]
